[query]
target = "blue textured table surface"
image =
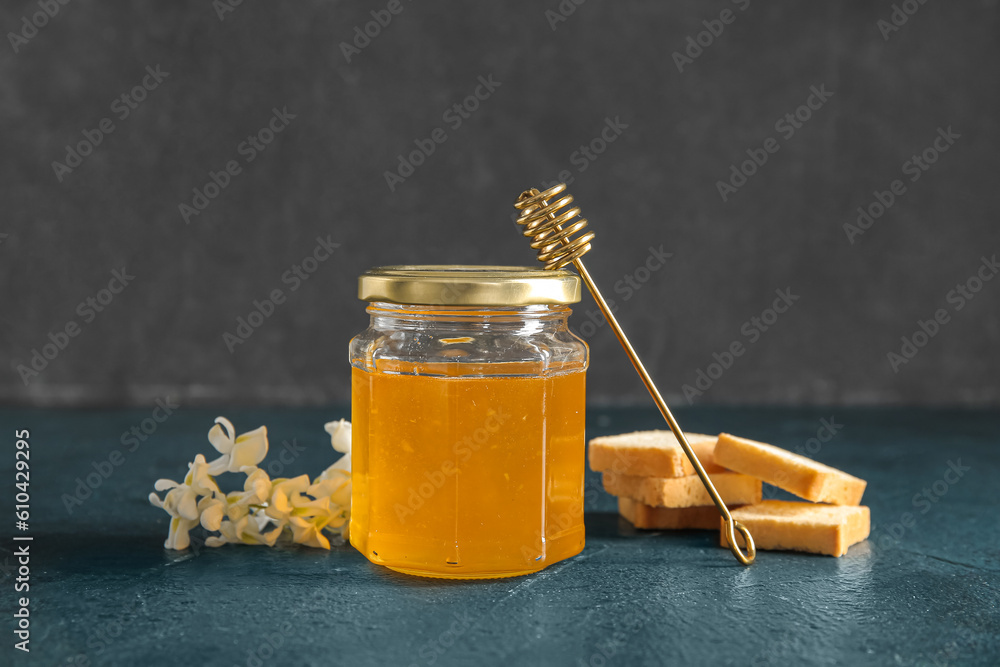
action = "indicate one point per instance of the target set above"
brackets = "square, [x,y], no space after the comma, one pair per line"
[922,591]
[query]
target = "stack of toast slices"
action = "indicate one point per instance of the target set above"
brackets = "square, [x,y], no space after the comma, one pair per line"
[657,488]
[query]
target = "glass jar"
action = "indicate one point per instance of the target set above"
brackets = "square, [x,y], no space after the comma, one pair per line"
[468,421]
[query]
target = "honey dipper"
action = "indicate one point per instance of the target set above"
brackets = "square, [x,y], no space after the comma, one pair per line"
[551,230]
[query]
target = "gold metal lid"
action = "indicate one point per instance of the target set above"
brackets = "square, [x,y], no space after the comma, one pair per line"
[461,285]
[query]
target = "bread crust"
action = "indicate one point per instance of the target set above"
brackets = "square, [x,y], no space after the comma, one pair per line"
[651,453]
[688,491]
[647,517]
[789,471]
[787,525]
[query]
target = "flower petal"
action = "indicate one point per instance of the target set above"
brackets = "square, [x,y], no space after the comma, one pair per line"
[236,511]
[340,435]
[305,532]
[171,500]
[187,505]
[249,449]
[258,486]
[212,514]
[222,440]
[155,501]
[178,537]
[312,508]
[319,540]
[342,465]
[342,498]
[228,530]
[164,484]
[219,465]
[284,495]
[272,537]
[259,520]
[324,488]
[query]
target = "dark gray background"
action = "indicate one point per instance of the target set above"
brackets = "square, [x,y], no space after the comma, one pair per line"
[656,184]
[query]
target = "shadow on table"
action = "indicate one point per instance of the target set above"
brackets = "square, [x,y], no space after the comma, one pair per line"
[125,554]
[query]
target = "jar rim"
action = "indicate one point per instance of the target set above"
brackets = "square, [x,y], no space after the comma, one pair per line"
[468,285]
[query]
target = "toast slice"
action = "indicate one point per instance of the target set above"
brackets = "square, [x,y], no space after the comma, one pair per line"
[797,526]
[646,516]
[688,491]
[786,470]
[651,454]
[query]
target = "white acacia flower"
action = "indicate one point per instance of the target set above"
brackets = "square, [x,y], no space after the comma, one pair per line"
[340,435]
[286,495]
[311,508]
[334,484]
[212,510]
[248,449]
[310,519]
[247,530]
[256,491]
[340,438]
[179,537]
[257,487]
[182,499]
[264,509]
[309,531]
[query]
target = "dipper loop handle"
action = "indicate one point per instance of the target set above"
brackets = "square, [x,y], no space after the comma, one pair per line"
[751,553]
[551,230]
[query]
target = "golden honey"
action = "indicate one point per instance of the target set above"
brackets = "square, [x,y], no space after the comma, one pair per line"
[466,476]
[468,438]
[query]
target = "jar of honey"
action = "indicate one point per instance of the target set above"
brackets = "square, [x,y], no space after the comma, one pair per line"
[468,421]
